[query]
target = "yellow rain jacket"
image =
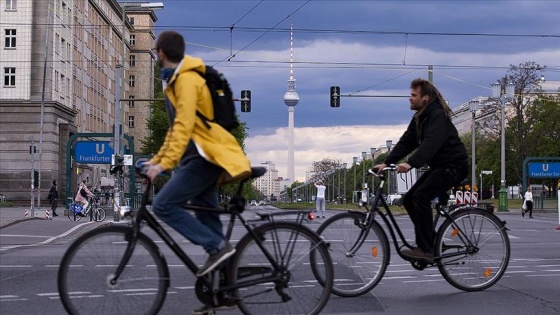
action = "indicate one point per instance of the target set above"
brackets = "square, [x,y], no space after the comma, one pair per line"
[187,92]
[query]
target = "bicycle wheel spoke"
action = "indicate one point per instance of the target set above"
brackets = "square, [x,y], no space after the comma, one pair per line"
[480,260]
[294,288]
[89,265]
[361,271]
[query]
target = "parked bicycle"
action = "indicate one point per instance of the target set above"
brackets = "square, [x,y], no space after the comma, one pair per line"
[471,245]
[76,210]
[122,271]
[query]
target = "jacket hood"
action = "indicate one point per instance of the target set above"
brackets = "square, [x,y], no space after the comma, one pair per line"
[189,63]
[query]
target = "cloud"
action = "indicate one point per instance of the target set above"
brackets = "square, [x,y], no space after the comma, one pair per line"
[316,143]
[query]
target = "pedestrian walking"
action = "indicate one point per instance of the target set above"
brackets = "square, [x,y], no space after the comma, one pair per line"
[528,204]
[53,198]
[320,200]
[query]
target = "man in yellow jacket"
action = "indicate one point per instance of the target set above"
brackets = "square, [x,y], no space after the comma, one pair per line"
[205,156]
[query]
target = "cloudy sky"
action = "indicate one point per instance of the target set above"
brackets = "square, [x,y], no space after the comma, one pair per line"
[365,47]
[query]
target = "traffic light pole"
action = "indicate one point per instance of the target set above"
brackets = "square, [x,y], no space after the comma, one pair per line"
[32,152]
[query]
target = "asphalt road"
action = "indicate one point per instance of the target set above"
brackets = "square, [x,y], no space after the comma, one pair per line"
[30,254]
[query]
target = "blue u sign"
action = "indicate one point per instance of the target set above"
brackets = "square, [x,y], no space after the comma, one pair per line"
[93,152]
[544,169]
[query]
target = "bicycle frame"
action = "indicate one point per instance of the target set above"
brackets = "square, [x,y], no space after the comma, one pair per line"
[234,209]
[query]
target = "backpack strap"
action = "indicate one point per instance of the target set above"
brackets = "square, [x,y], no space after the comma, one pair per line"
[205,119]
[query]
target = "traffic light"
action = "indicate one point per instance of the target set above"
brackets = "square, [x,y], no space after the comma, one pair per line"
[35,179]
[335,96]
[245,101]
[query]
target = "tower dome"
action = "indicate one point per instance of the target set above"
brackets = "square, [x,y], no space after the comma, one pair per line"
[291,98]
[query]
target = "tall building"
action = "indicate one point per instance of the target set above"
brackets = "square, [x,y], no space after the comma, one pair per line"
[291,99]
[268,184]
[58,62]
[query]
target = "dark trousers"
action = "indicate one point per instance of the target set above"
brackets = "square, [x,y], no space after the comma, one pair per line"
[417,201]
[529,205]
[54,205]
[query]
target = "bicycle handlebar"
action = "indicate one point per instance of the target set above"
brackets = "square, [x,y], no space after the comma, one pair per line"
[375,172]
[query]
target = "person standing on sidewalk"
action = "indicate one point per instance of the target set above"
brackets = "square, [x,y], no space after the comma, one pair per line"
[528,204]
[320,200]
[53,198]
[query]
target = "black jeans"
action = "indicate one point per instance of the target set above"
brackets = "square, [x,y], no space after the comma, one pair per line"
[417,201]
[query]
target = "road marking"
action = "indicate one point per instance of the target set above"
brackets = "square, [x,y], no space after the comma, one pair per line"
[415,281]
[20,235]
[552,275]
[5,248]
[16,266]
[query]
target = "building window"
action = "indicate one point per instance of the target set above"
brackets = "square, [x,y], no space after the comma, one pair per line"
[11,4]
[131,80]
[10,38]
[10,77]
[131,21]
[132,60]
[130,121]
[56,81]
[132,40]
[131,102]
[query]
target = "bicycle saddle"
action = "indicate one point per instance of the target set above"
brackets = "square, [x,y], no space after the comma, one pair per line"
[257,171]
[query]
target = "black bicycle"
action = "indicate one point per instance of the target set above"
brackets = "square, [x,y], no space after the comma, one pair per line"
[118,269]
[471,245]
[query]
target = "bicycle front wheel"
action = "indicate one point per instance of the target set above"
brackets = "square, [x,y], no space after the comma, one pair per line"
[98,214]
[89,265]
[292,287]
[475,249]
[360,257]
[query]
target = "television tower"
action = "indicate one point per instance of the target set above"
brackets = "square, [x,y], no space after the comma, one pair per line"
[291,99]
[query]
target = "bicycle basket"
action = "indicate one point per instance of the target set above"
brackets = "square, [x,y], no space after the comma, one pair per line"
[76,208]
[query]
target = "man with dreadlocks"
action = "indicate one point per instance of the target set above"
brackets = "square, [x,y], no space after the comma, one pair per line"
[436,141]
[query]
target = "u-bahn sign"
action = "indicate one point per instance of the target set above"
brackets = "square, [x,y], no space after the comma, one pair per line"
[544,169]
[93,152]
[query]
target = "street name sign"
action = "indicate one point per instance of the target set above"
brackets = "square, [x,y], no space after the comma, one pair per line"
[93,152]
[544,169]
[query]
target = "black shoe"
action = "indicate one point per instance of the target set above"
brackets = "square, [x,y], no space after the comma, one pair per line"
[54,214]
[523,213]
[215,259]
[207,309]
[531,217]
[418,254]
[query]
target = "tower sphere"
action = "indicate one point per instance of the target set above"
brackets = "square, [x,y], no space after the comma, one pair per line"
[291,98]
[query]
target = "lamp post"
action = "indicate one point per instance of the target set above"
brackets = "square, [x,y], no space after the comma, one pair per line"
[344,198]
[503,98]
[474,107]
[389,144]
[364,154]
[372,163]
[354,161]
[338,167]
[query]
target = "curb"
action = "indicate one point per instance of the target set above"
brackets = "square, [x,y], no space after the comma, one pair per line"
[15,221]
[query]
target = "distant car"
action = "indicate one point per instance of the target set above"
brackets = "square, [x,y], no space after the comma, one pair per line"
[392,199]
[262,203]
[253,203]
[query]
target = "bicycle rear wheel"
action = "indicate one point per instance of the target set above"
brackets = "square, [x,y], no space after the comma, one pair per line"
[477,258]
[72,215]
[291,289]
[89,265]
[355,274]
[98,214]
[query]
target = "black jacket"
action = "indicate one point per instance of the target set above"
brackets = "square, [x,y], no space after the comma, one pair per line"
[436,140]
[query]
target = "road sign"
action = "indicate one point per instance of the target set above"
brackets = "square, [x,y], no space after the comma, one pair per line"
[544,169]
[486,172]
[93,152]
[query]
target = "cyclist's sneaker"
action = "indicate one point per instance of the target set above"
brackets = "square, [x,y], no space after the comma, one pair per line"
[417,253]
[207,309]
[216,259]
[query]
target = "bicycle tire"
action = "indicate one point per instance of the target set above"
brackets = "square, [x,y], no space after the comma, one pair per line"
[99,214]
[73,216]
[291,245]
[360,273]
[483,265]
[88,265]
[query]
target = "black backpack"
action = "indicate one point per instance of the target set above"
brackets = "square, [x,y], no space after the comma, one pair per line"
[222,100]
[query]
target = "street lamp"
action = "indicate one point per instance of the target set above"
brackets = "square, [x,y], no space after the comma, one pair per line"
[354,160]
[364,154]
[344,198]
[474,107]
[338,167]
[503,98]
[389,144]
[372,163]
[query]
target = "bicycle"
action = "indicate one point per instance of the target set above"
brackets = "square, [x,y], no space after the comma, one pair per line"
[76,211]
[269,273]
[471,246]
